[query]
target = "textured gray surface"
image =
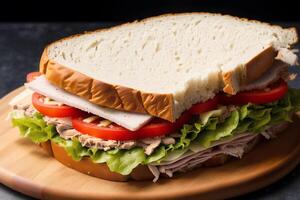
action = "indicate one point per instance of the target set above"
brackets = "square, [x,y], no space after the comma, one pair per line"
[20,48]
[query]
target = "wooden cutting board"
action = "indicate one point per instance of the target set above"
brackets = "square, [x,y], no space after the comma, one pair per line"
[26,168]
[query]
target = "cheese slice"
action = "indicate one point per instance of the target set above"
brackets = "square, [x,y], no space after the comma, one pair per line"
[131,121]
[23,97]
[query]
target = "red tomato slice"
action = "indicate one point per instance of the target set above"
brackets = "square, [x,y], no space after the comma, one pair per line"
[273,93]
[54,110]
[31,76]
[198,108]
[155,128]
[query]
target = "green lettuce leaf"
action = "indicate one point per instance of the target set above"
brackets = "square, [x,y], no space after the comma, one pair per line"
[120,161]
[244,111]
[259,120]
[190,132]
[158,154]
[75,149]
[99,156]
[125,161]
[204,117]
[175,154]
[34,128]
[223,130]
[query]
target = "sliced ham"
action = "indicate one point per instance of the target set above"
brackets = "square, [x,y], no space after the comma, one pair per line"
[217,143]
[235,146]
[184,161]
[154,171]
[272,131]
[131,121]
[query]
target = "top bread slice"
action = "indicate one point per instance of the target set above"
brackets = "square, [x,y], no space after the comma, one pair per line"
[162,65]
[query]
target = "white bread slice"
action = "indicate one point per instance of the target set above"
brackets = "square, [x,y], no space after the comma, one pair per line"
[163,65]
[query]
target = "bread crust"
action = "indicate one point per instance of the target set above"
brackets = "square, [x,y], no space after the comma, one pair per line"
[102,171]
[107,95]
[47,148]
[132,100]
[249,72]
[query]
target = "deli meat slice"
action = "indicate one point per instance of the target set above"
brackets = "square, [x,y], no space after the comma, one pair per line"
[235,146]
[277,71]
[131,121]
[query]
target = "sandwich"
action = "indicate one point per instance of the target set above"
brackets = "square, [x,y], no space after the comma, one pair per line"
[160,96]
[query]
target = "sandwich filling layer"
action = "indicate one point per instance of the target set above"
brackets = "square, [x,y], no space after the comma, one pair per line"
[226,130]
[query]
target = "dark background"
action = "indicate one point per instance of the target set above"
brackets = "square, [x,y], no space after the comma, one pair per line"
[24,32]
[127,10]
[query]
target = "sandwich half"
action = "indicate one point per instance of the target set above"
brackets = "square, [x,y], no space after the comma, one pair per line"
[160,96]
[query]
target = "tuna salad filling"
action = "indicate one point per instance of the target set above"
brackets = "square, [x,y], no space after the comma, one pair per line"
[227,130]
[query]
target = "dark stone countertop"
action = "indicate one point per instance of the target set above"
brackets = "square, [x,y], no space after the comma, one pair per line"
[21,46]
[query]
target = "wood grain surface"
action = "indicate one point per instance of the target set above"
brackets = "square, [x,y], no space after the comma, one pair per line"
[26,168]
